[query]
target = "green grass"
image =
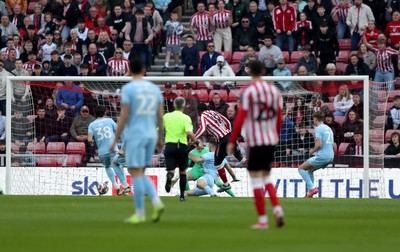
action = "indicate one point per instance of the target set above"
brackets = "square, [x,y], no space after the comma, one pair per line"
[53,223]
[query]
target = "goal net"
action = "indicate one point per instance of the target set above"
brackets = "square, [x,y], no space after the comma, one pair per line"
[47,129]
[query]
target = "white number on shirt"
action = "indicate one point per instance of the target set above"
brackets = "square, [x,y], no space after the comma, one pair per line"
[103,132]
[330,137]
[147,104]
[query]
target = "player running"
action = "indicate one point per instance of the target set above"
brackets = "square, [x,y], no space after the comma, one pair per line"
[204,185]
[323,153]
[261,113]
[220,127]
[142,111]
[102,131]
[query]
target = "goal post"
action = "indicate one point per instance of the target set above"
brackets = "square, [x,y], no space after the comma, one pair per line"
[112,85]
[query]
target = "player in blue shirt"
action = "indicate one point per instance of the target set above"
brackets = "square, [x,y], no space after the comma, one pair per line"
[102,131]
[204,185]
[142,111]
[323,151]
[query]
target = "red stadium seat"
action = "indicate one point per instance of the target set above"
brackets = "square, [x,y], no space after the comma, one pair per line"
[292,68]
[233,96]
[286,56]
[201,53]
[227,56]
[203,95]
[237,57]
[343,56]
[335,148]
[235,68]
[393,93]
[378,147]
[379,121]
[295,57]
[74,160]
[38,148]
[223,94]
[340,68]
[342,148]
[389,133]
[389,106]
[49,161]
[56,148]
[381,95]
[340,119]
[352,52]
[375,135]
[76,148]
[201,85]
[345,44]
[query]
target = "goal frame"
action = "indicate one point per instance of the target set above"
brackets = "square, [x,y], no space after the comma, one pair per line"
[363,78]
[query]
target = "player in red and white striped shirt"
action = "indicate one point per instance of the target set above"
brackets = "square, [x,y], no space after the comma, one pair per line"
[202,21]
[261,113]
[117,65]
[220,127]
[341,10]
[222,21]
[384,69]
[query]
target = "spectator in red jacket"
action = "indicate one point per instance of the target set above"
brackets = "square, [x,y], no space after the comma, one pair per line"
[284,17]
[392,30]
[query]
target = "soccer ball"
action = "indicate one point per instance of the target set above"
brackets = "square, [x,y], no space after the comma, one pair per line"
[102,188]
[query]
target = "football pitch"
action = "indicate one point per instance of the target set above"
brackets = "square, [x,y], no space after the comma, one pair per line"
[54,223]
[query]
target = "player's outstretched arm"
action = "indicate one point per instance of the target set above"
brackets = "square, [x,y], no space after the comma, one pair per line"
[196,159]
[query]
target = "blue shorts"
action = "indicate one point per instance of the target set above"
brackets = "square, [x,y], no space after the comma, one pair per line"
[139,152]
[319,163]
[107,158]
[209,179]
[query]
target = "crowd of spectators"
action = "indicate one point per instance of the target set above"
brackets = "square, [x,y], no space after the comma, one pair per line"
[99,37]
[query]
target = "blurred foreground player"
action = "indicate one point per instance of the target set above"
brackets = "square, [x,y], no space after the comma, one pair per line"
[261,112]
[142,111]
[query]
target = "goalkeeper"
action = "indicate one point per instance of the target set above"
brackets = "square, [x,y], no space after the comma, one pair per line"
[197,171]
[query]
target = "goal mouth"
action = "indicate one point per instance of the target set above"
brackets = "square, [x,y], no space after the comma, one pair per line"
[302,95]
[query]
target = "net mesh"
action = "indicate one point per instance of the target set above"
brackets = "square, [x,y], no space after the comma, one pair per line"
[49,140]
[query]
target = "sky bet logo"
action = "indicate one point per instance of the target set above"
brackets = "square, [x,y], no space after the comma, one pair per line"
[84,188]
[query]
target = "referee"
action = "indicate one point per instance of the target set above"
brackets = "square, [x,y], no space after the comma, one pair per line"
[178,127]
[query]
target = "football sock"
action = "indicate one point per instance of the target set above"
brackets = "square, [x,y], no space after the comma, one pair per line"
[209,190]
[151,190]
[139,191]
[182,183]
[187,187]
[222,175]
[259,199]
[269,187]
[121,175]
[306,177]
[230,192]
[166,64]
[111,176]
